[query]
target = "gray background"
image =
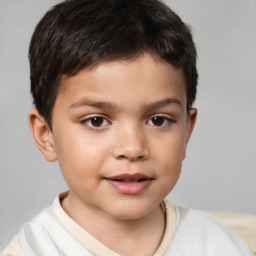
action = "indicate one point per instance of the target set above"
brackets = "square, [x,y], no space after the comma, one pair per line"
[219,172]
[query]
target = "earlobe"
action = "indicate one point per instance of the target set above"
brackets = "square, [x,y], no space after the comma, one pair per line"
[42,135]
[191,120]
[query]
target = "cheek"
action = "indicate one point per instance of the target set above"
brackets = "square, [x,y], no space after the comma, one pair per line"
[169,155]
[73,146]
[80,156]
[170,150]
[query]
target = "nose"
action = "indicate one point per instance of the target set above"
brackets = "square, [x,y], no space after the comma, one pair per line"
[130,143]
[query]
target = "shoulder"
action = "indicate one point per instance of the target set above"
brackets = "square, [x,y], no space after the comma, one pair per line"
[199,232]
[14,248]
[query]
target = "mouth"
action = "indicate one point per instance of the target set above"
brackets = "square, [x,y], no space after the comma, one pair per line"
[130,184]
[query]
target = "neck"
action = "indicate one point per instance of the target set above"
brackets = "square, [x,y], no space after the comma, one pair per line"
[141,236]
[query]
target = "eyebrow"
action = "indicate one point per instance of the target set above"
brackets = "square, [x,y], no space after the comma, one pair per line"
[163,103]
[96,104]
[108,105]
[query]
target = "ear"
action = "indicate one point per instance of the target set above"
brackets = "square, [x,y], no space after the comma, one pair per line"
[191,120]
[42,135]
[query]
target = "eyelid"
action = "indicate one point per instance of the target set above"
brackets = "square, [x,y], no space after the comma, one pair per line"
[86,119]
[167,118]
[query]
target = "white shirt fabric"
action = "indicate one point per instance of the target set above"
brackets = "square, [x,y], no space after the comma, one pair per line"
[187,233]
[198,234]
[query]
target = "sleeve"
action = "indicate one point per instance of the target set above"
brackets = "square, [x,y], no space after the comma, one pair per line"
[244,225]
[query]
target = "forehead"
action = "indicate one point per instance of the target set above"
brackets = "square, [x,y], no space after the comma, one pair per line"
[144,78]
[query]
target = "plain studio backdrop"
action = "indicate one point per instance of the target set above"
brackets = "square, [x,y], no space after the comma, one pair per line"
[219,172]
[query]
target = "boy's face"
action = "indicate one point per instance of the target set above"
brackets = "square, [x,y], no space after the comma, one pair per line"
[119,132]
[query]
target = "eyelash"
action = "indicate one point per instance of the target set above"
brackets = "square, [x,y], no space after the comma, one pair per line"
[90,119]
[102,121]
[166,121]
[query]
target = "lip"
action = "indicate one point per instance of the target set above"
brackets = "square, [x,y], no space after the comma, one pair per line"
[129,184]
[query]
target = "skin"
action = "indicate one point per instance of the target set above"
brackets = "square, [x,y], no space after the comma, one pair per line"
[126,95]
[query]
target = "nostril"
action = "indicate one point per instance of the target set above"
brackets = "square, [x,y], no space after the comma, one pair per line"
[121,157]
[141,157]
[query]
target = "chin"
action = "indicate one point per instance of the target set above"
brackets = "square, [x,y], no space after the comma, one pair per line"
[127,215]
[129,210]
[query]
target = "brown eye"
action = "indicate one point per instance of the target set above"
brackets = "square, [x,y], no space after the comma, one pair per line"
[95,122]
[158,120]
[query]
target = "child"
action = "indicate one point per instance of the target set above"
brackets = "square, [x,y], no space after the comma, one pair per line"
[113,83]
